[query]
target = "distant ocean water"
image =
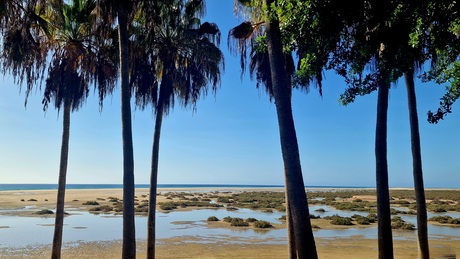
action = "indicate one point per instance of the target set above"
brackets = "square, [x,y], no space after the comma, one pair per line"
[15,187]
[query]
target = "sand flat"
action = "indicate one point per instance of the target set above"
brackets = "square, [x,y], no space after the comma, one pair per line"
[183,247]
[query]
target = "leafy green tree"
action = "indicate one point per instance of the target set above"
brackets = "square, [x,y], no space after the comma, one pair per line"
[445,52]
[77,59]
[181,55]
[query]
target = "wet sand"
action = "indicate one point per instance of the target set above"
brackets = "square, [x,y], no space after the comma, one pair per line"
[356,247]
[331,248]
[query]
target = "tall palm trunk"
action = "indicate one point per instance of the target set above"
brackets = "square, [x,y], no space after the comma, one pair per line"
[385,239]
[129,236]
[292,252]
[422,228]
[151,222]
[295,188]
[59,220]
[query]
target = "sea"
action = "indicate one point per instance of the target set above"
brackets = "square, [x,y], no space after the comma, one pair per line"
[17,187]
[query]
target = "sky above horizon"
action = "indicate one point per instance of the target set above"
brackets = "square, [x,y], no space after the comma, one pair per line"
[232,138]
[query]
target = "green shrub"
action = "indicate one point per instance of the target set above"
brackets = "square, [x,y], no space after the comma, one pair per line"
[167,205]
[142,209]
[262,224]
[231,208]
[445,220]
[44,212]
[398,223]
[227,219]
[312,216]
[91,203]
[104,208]
[113,199]
[213,218]
[238,222]
[250,220]
[361,220]
[436,208]
[224,200]
[320,210]
[338,220]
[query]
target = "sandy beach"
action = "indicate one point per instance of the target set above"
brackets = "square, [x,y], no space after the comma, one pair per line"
[189,247]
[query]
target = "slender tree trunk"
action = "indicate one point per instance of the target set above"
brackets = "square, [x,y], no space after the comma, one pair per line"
[422,228]
[129,236]
[385,239]
[154,180]
[292,251]
[59,220]
[295,188]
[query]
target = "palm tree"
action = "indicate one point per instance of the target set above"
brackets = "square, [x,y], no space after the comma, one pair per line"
[184,53]
[119,14]
[77,60]
[129,236]
[274,69]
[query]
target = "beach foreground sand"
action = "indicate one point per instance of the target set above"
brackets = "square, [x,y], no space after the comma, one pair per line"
[333,248]
[185,247]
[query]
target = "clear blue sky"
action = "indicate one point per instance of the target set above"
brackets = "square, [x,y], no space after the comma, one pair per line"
[233,138]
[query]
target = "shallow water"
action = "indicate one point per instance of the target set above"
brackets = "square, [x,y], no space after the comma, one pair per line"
[18,231]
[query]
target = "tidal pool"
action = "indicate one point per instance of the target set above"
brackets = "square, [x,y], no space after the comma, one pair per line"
[17,231]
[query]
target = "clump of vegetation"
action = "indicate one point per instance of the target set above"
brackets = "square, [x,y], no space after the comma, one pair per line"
[44,212]
[100,199]
[22,200]
[320,210]
[339,220]
[90,203]
[113,199]
[167,205]
[104,208]
[142,208]
[118,206]
[227,219]
[282,217]
[224,200]
[213,218]
[250,220]
[170,205]
[356,206]
[262,224]
[231,208]
[398,223]
[403,203]
[362,220]
[436,208]
[445,220]
[238,222]
[312,216]
[32,199]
